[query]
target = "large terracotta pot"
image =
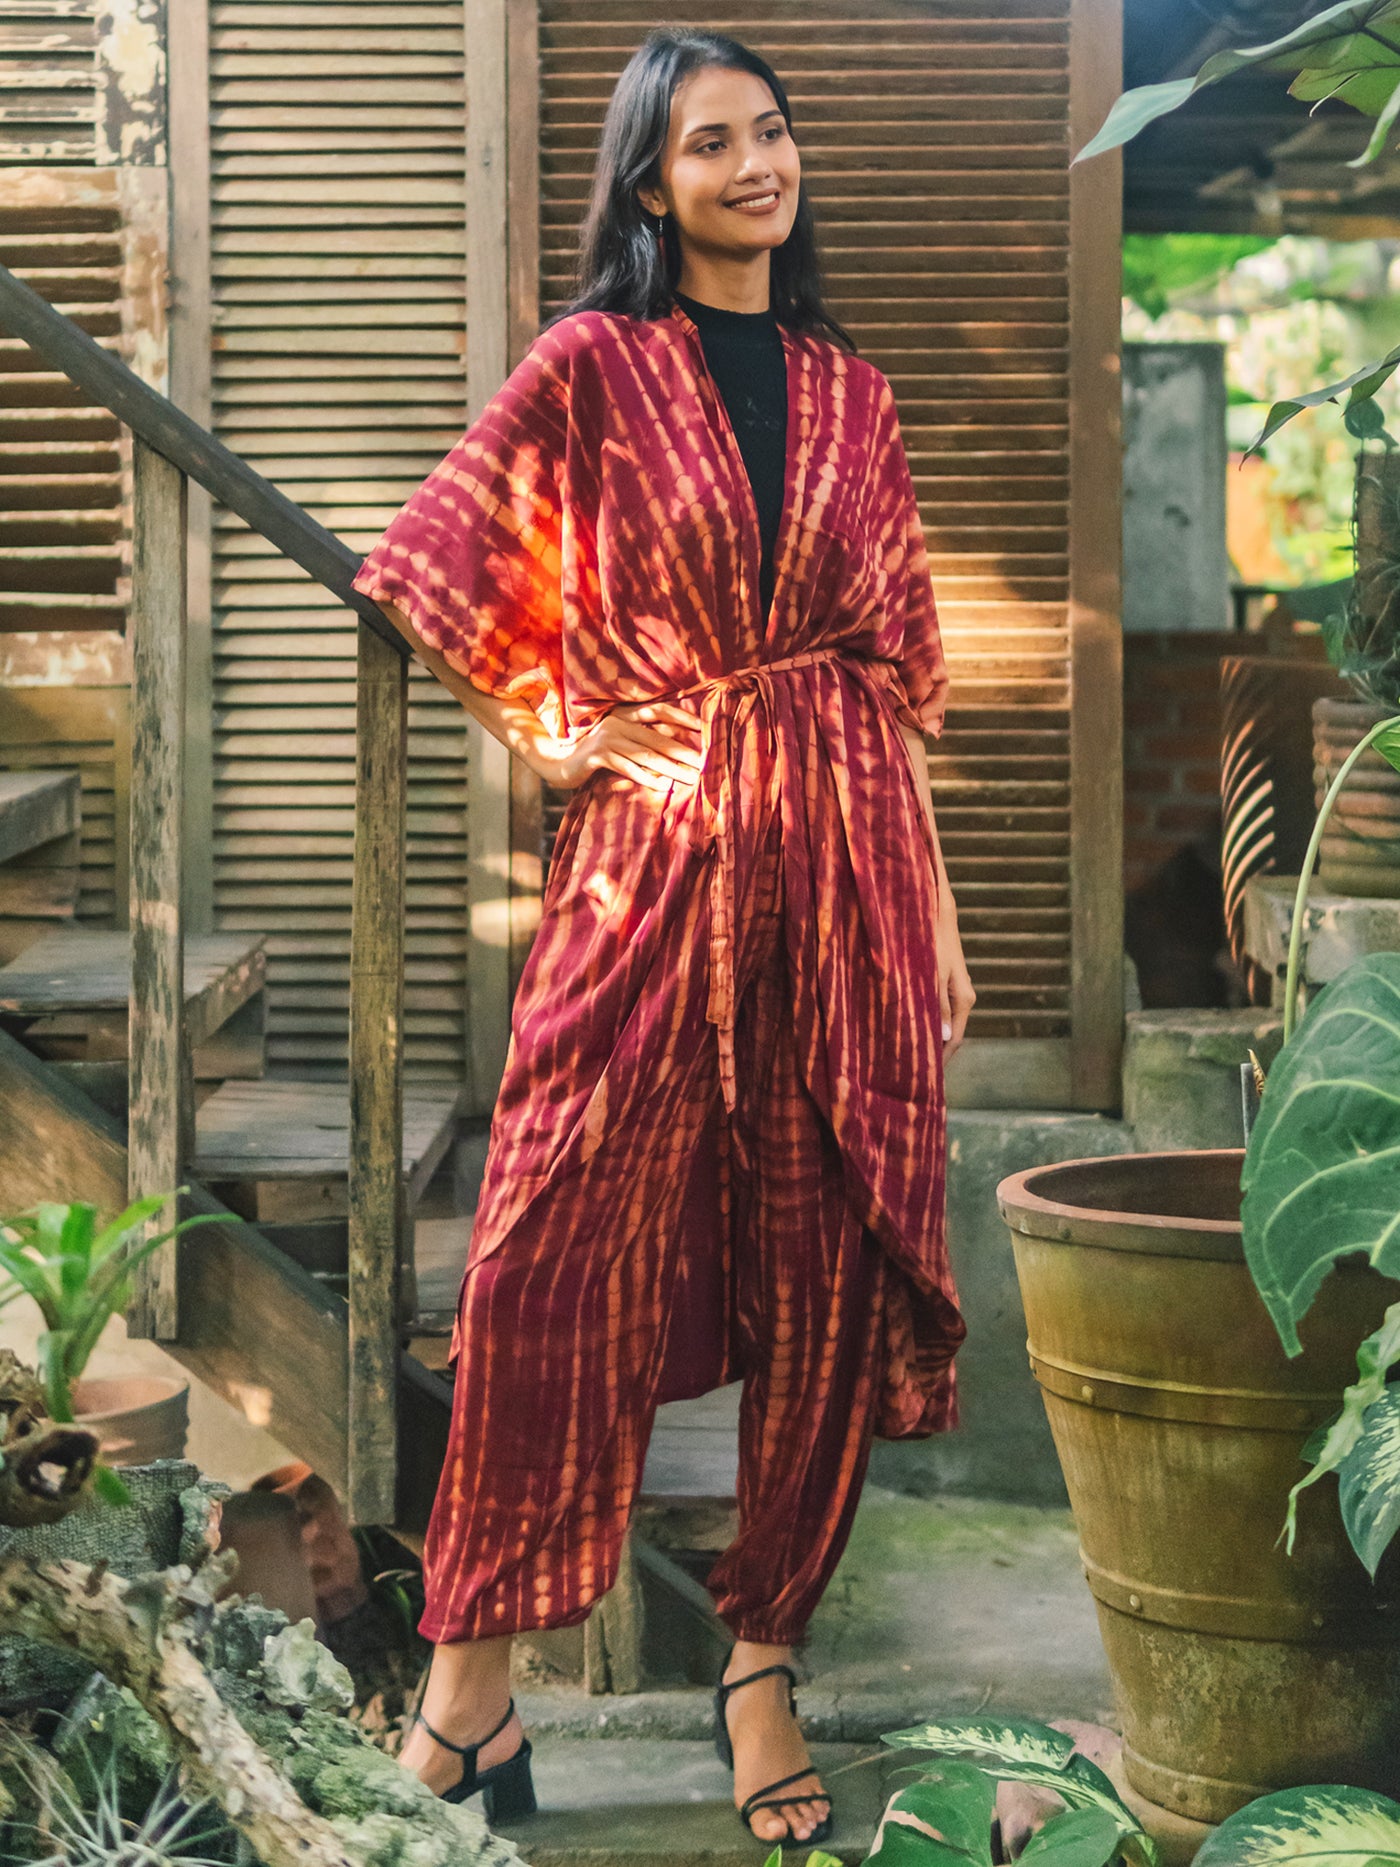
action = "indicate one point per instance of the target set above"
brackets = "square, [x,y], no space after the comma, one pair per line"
[139,1418]
[1360,853]
[1179,1422]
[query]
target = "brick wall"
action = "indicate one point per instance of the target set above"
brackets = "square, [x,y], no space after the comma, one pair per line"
[1171,739]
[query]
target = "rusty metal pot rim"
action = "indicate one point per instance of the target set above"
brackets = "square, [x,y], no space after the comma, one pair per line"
[1035,1215]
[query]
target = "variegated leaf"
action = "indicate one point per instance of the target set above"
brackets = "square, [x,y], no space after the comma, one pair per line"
[1370,1481]
[1329,1826]
[1017,1751]
[1009,1741]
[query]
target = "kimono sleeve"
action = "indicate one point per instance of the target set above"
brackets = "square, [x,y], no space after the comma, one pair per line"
[474,558]
[920,663]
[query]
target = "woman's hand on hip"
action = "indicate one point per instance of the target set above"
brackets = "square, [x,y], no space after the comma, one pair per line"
[653,742]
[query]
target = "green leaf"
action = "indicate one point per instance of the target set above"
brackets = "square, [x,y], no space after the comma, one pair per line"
[115,1233]
[1387,743]
[1007,1740]
[1359,388]
[1370,1482]
[1335,54]
[1327,1449]
[1022,1752]
[1385,123]
[109,1486]
[958,1800]
[815,1859]
[899,1845]
[75,1249]
[52,1351]
[1320,1169]
[1330,1826]
[1078,1838]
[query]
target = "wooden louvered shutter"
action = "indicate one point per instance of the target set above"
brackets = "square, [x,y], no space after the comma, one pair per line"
[337,140]
[91,241]
[48,81]
[934,140]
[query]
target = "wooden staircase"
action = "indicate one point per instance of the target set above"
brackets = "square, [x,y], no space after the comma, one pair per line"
[132,1063]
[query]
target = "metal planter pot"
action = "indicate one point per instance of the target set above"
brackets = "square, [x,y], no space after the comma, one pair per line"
[1179,1422]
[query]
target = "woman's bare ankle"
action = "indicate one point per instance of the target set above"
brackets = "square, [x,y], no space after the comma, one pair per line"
[463,1700]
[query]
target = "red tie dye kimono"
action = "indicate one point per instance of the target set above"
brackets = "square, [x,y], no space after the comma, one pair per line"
[593,540]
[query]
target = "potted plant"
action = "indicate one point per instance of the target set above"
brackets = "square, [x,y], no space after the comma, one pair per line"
[1189,1343]
[79,1273]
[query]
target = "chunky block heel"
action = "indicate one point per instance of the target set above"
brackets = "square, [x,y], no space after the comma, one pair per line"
[507,1788]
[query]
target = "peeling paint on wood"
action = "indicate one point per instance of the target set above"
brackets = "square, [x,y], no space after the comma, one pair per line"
[131,94]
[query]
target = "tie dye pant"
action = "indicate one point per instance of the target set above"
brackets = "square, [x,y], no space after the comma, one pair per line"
[756,1269]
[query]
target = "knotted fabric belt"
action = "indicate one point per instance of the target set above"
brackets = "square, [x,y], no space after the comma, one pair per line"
[726,701]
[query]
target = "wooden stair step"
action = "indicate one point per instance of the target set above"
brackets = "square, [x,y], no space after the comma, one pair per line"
[36,807]
[274,1130]
[86,972]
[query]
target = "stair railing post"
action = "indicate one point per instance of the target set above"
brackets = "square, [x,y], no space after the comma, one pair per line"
[161,1100]
[376,1076]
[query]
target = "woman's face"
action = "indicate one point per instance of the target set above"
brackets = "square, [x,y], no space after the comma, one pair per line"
[730,169]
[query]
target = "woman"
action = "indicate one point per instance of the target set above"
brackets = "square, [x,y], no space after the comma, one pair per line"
[676,566]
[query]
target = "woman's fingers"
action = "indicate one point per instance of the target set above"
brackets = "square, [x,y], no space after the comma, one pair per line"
[654,748]
[659,710]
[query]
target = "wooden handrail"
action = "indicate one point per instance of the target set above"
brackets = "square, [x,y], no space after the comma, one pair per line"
[161,1087]
[186,445]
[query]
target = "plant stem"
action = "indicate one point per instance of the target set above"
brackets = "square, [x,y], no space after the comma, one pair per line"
[1300,900]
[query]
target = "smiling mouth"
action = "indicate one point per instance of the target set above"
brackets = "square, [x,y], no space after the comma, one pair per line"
[757,203]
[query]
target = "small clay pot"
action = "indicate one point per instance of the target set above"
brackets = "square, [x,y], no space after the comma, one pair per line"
[138,1418]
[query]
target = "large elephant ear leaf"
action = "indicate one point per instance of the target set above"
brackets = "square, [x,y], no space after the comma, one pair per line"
[1326,1827]
[1370,1481]
[1339,52]
[1321,1167]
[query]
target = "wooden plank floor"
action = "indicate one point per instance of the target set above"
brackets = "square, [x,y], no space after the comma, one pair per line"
[276,1130]
[86,970]
[35,808]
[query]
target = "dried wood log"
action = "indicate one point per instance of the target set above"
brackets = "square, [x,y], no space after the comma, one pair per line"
[43,1466]
[146,1635]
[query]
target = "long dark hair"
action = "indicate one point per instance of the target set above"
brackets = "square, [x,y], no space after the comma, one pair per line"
[622,266]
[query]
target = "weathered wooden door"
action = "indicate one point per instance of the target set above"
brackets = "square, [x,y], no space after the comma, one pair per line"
[981,274]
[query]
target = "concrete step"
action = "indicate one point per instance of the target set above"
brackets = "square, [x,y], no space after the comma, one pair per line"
[668,1803]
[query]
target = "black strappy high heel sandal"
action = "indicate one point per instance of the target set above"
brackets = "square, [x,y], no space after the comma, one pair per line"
[764,1798]
[507,1789]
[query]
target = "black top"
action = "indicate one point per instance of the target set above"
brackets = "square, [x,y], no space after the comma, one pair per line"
[744,353]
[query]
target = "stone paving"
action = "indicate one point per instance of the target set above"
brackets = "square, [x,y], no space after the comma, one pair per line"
[940,1605]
